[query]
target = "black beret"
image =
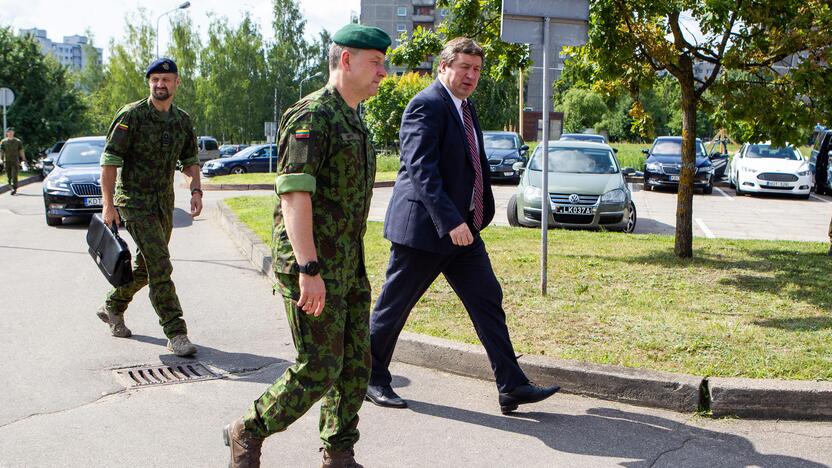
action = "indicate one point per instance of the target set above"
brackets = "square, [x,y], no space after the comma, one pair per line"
[161,65]
[362,37]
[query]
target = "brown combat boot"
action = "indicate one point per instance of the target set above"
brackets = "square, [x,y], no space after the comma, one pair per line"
[116,322]
[245,448]
[339,459]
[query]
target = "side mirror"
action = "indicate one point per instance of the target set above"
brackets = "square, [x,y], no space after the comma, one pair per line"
[645,151]
[517,167]
[615,150]
[628,171]
[524,149]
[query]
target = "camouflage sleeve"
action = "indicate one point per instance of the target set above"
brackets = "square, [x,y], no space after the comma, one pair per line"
[301,149]
[118,140]
[190,151]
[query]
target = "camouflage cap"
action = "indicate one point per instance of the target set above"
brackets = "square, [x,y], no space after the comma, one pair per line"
[161,65]
[362,37]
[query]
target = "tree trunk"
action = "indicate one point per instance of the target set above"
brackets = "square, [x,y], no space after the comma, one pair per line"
[684,202]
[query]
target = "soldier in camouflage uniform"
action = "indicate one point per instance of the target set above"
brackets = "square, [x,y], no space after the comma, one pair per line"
[13,153]
[326,171]
[146,141]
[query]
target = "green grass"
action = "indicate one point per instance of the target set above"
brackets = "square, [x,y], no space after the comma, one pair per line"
[20,176]
[739,308]
[386,168]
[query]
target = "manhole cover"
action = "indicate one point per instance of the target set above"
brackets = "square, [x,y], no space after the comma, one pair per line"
[146,376]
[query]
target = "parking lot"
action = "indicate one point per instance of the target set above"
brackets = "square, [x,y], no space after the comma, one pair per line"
[719,215]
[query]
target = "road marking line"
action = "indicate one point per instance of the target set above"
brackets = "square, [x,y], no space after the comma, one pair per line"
[722,192]
[708,233]
[819,198]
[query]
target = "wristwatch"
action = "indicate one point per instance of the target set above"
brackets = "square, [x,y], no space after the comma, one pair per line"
[193,191]
[312,268]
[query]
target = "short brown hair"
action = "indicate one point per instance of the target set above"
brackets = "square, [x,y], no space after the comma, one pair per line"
[334,56]
[460,45]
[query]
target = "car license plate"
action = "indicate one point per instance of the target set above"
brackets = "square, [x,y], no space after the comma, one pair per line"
[92,202]
[573,209]
[508,174]
[778,184]
[674,178]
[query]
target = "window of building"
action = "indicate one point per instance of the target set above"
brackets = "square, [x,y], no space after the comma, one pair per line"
[401,27]
[401,11]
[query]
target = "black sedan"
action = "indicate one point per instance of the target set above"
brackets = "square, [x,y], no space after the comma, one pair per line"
[252,159]
[73,187]
[663,167]
[503,149]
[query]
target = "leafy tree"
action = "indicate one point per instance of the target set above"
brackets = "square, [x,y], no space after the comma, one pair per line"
[582,109]
[383,112]
[47,105]
[288,56]
[185,49]
[631,40]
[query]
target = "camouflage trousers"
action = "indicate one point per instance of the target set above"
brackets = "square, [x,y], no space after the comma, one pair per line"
[333,364]
[11,173]
[151,266]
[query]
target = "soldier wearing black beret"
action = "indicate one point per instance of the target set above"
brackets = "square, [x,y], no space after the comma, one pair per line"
[147,140]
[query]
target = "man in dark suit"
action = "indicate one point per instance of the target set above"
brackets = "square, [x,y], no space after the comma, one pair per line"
[441,200]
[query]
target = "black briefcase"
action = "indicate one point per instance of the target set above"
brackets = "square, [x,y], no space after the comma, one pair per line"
[109,251]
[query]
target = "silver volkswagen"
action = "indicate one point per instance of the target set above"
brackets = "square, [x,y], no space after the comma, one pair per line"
[586,189]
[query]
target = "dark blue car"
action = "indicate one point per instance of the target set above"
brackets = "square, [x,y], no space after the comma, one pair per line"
[664,165]
[252,159]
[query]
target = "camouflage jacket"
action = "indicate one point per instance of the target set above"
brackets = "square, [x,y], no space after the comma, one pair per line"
[324,149]
[147,145]
[10,147]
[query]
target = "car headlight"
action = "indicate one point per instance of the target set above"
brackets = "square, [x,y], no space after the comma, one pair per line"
[749,169]
[614,196]
[511,161]
[60,184]
[804,173]
[531,193]
[705,170]
[655,167]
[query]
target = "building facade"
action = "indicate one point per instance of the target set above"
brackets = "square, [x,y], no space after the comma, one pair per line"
[71,53]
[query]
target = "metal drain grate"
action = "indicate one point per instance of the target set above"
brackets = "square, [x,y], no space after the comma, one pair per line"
[146,376]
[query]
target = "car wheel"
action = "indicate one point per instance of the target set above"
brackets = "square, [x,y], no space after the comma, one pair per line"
[238,170]
[631,219]
[731,183]
[709,189]
[737,189]
[804,197]
[54,220]
[511,212]
[646,187]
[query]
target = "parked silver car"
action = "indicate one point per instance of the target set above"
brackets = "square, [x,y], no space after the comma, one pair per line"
[586,189]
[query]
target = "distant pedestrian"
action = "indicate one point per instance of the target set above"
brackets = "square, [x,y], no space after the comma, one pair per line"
[146,141]
[325,174]
[13,155]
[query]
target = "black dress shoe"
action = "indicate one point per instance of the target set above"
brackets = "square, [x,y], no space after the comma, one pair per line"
[383,395]
[523,394]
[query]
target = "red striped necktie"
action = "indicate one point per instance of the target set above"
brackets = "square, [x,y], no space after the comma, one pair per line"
[475,161]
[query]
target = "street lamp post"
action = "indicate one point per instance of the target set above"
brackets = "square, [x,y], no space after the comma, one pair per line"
[300,92]
[180,7]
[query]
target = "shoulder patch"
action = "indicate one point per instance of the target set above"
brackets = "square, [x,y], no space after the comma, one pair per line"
[302,134]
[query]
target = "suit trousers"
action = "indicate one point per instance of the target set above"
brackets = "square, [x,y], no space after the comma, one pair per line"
[468,270]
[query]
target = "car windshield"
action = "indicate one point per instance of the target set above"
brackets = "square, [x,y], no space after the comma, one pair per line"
[769,152]
[576,161]
[674,148]
[81,153]
[592,138]
[246,152]
[499,141]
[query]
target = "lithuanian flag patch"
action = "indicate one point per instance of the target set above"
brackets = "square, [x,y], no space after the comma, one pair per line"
[302,134]
[122,126]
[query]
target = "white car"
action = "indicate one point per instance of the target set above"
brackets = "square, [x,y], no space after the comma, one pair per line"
[763,168]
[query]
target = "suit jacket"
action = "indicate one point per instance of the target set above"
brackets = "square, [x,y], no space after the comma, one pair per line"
[433,189]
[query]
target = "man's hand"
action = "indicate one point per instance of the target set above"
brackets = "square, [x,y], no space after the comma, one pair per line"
[196,204]
[110,215]
[461,235]
[312,294]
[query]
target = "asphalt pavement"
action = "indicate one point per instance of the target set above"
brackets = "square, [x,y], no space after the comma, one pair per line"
[63,406]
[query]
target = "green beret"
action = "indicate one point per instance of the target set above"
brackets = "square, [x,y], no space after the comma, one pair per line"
[362,37]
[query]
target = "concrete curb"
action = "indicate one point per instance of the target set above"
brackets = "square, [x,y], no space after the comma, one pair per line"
[206,185]
[752,398]
[20,183]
